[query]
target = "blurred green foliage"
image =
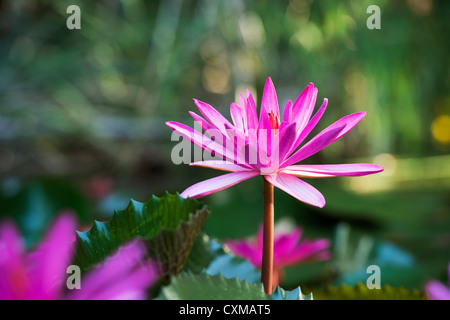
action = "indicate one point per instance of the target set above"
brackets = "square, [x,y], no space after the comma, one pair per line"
[86,108]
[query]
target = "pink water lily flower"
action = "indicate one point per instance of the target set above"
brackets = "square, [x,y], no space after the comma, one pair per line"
[270,146]
[289,249]
[42,273]
[436,290]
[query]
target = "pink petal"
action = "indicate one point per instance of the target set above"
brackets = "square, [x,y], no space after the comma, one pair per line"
[316,144]
[311,125]
[127,274]
[213,116]
[304,106]
[220,165]
[14,281]
[297,188]
[235,146]
[287,111]
[246,250]
[263,147]
[331,170]
[197,138]
[283,125]
[264,123]
[236,116]
[346,123]
[350,122]
[287,136]
[437,291]
[212,185]
[52,257]
[228,150]
[205,125]
[244,112]
[11,244]
[250,108]
[308,250]
[249,119]
[285,243]
[269,101]
[269,104]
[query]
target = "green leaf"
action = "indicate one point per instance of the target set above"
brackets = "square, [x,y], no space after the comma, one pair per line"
[204,251]
[168,225]
[296,294]
[189,286]
[231,266]
[209,255]
[361,292]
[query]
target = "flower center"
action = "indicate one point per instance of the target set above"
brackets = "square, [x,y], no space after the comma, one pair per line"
[274,120]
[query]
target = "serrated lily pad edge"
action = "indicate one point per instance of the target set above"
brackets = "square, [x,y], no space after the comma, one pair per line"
[279,294]
[99,225]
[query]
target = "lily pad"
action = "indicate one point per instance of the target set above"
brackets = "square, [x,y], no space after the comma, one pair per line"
[168,225]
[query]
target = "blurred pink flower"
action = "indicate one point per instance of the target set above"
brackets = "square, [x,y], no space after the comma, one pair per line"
[438,291]
[289,249]
[42,273]
[98,187]
[270,146]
